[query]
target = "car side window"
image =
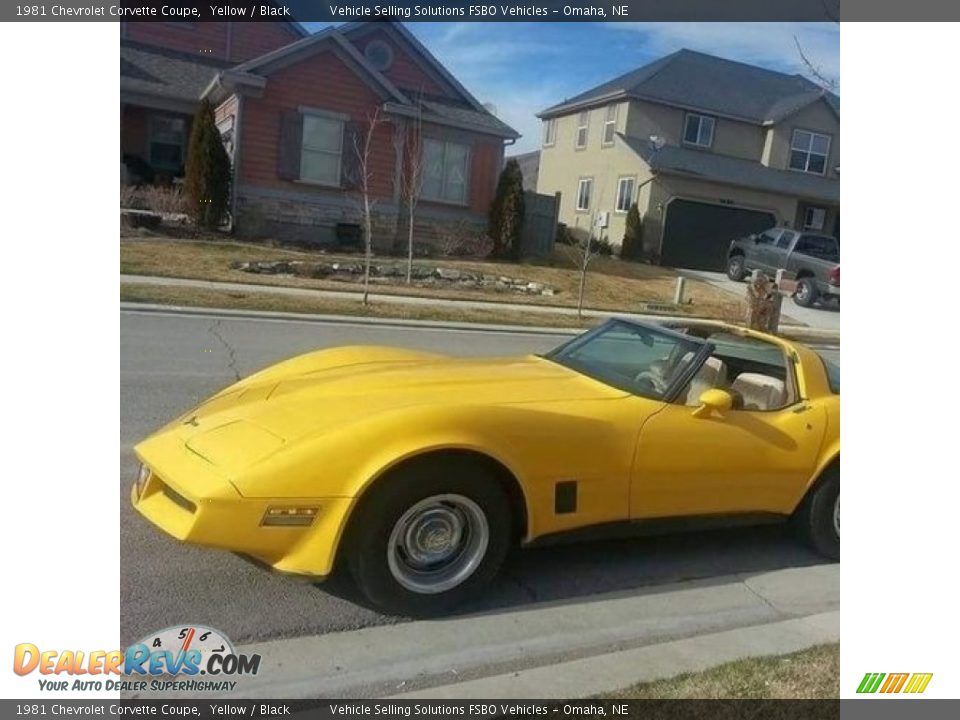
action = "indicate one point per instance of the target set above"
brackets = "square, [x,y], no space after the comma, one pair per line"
[785,239]
[767,237]
[819,246]
[757,374]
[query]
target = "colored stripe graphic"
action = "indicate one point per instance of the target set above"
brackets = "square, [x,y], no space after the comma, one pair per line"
[895,683]
[918,682]
[870,682]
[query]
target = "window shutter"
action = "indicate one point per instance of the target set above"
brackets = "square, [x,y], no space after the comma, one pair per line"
[349,160]
[291,138]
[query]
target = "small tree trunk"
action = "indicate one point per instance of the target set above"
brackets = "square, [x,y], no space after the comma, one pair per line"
[583,286]
[410,244]
[368,249]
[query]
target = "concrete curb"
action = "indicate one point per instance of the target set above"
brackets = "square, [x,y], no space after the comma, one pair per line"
[801,333]
[427,655]
[615,671]
[342,319]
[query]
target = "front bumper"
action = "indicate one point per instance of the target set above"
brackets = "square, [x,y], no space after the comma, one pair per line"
[185,499]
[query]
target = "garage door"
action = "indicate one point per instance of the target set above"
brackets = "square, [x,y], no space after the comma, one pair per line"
[696,235]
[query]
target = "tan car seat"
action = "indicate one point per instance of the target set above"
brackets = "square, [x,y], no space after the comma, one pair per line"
[759,392]
[712,374]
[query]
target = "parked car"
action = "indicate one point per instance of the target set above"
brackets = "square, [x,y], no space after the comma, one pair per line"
[811,259]
[417,472]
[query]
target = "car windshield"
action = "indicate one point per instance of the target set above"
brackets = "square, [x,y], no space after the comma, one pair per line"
[641,360]
[833,375]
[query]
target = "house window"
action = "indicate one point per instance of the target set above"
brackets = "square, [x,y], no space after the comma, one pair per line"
[584,190]
[625,190]
[321,149]
[549,132]
[445,171]
[698,130]
[814,218]
[167,135]
[610,124]
[583,124]
[809,152]
[379,54]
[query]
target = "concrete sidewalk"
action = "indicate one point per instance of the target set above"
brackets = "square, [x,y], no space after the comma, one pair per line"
[800,332]
[511,653]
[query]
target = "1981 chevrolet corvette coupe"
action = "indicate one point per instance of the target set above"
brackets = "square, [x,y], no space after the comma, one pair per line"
[418,471]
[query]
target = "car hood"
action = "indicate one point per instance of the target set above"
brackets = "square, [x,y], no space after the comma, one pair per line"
[331,390]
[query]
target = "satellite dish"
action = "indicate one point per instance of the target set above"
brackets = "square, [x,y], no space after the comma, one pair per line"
[657,142]
[490,108]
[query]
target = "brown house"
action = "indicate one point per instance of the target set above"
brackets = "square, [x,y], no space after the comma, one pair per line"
[291,108]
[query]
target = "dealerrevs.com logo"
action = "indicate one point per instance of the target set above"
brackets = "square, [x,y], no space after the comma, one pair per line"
[187,658]
[909,683]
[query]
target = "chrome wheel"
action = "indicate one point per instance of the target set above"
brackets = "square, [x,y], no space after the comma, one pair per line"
[836,515]
[438,543]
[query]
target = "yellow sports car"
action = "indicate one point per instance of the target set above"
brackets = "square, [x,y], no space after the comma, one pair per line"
[418,471]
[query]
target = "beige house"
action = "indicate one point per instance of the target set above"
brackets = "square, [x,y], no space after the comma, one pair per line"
[709,149]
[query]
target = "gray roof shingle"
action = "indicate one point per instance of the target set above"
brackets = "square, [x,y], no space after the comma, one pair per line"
[696,80]
[165,73]
[461,114]
[676,160]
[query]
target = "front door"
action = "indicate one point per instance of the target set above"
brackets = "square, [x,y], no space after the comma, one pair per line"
[737,461]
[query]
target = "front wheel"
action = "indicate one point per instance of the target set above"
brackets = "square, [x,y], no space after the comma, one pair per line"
[736,270]
[429,537]
[806,293]
[818,517]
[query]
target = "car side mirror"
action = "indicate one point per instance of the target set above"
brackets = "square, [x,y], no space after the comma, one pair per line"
[713,400]
[755,238]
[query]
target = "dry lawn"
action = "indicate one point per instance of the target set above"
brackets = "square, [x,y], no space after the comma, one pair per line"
[611,285]
[811,674]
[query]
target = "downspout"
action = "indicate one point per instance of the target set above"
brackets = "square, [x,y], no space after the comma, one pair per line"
[235,171]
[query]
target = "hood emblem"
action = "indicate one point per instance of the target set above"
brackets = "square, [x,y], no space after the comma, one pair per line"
[192,421]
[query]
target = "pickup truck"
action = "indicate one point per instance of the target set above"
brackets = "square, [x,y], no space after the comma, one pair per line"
[810,259]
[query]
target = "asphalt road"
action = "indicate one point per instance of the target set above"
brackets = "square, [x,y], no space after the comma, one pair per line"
[170,362]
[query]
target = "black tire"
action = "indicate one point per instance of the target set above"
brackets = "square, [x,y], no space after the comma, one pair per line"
[386,503]
[736,270]
[805,294]
[814,518]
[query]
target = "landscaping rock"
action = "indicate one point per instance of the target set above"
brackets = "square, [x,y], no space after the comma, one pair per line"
[394,272]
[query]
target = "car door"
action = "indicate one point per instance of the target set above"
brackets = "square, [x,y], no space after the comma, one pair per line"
[779,252]
[738,461]
[759,258]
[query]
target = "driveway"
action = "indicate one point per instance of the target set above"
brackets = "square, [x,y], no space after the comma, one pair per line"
[820,317]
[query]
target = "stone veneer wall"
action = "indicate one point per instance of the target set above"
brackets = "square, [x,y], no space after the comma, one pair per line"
[311,218]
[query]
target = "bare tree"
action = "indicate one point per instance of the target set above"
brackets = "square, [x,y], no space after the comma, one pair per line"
[831,10]
[583,251]
[408,143]
[825,81]
[362,146]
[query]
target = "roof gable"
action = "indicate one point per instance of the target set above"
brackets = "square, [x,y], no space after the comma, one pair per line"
[307,47]
[418,52]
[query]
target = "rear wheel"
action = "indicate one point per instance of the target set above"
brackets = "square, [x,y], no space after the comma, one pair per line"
[736,270]
[429,537]
[806,293]
[818,517]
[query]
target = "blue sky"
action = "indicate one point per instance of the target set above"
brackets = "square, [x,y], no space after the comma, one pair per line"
[523,68]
